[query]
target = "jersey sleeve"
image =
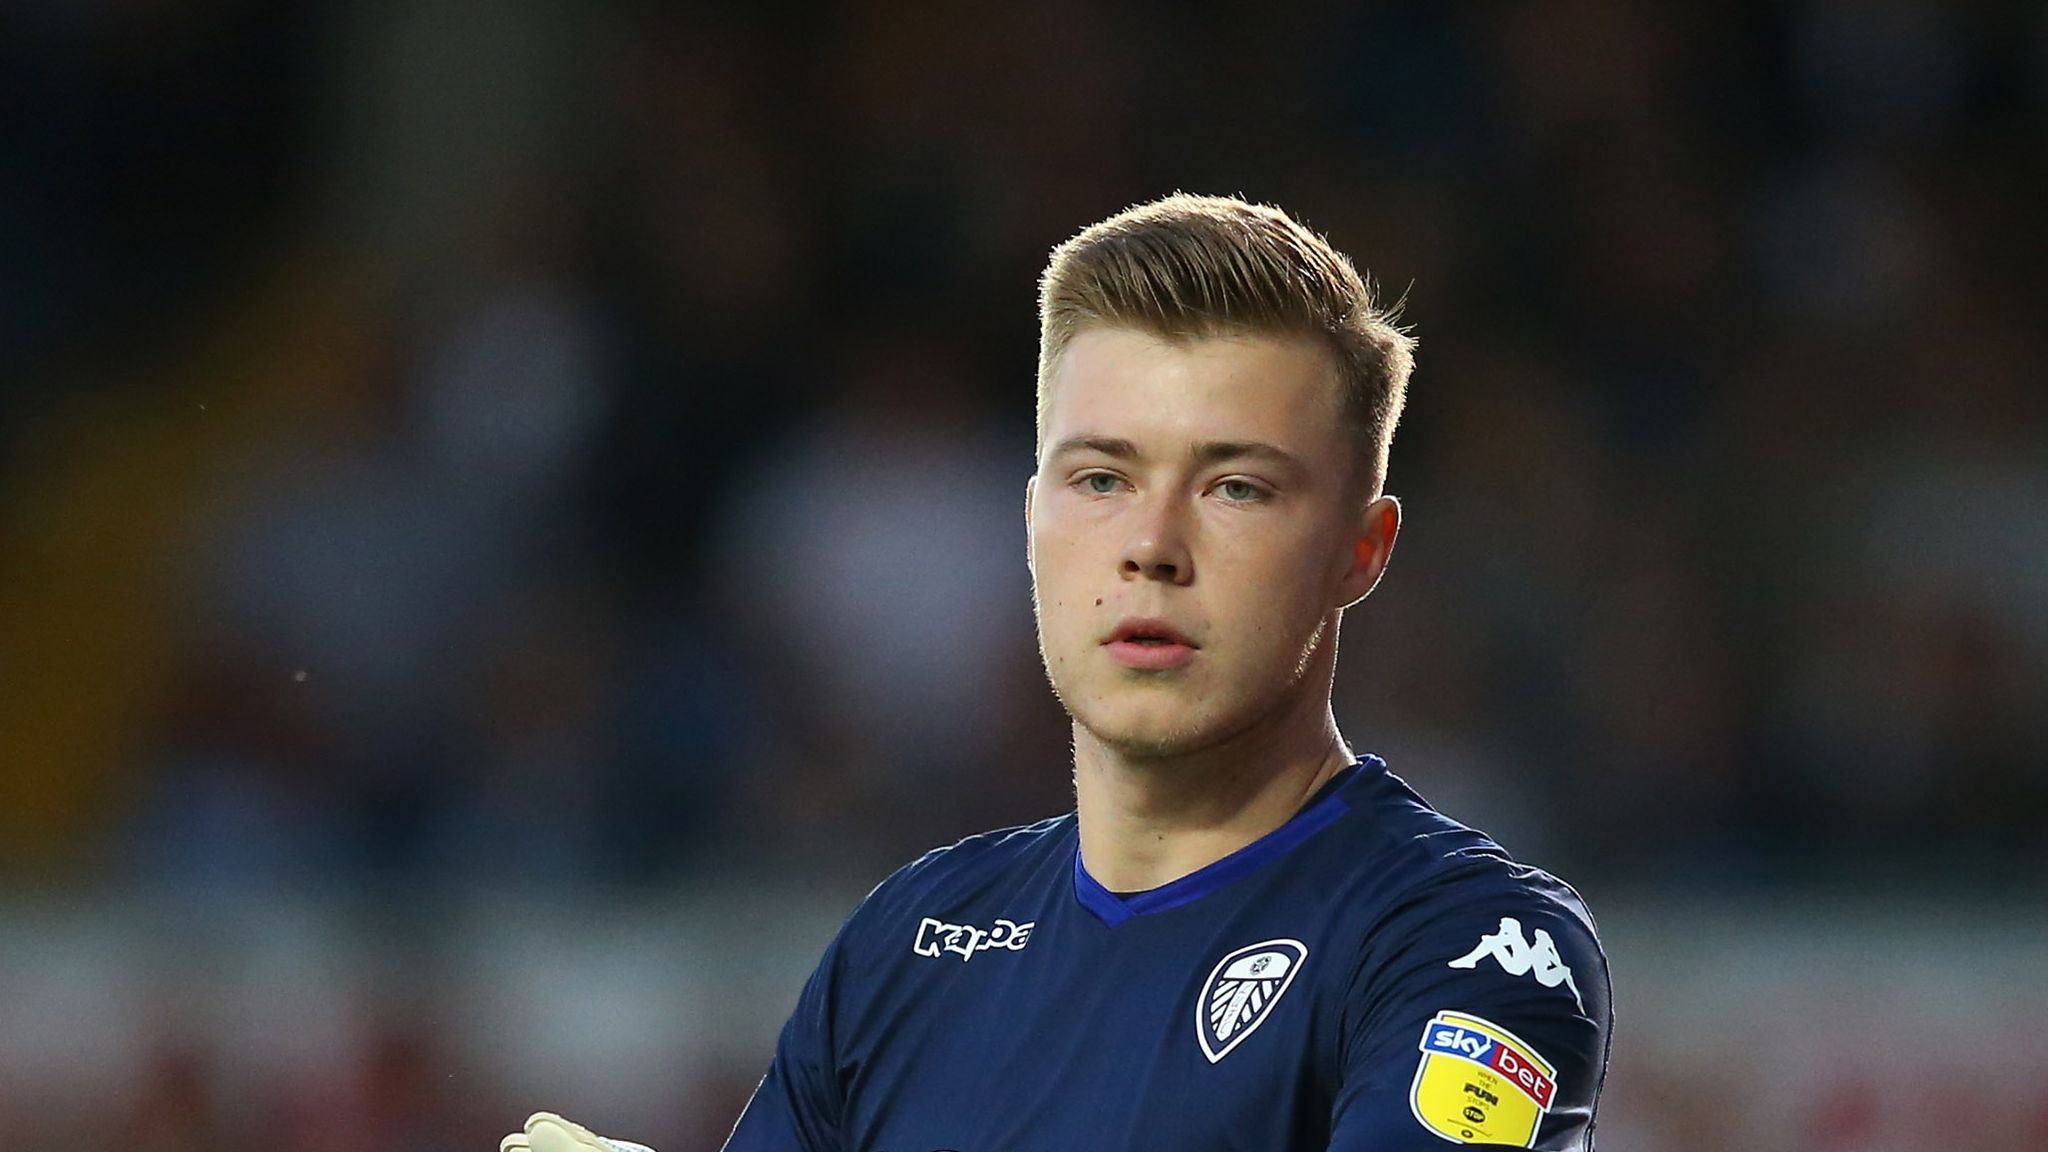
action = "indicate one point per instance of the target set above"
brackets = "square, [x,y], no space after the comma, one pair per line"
[797,1106]
[1478,1015]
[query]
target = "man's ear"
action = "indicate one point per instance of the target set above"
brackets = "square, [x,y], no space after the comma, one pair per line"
[1372,545]
[1030,492]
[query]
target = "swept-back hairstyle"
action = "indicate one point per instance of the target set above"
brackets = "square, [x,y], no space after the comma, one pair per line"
[1189,267]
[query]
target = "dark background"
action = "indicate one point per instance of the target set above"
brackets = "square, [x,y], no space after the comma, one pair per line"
[564,462]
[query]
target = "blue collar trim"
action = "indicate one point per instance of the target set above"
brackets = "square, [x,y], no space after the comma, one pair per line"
[1324,809]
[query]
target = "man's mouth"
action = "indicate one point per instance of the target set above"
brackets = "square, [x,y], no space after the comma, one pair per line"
[1150,645]
[1149,632]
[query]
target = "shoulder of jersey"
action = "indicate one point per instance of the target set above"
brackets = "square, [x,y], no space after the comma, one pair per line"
[970,862]
[1396,832]
[1437,858]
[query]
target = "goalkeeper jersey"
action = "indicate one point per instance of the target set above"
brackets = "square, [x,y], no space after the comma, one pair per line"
[1369,977]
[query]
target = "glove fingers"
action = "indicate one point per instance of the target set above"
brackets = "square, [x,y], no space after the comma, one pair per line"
[547,1132]
[551,1132]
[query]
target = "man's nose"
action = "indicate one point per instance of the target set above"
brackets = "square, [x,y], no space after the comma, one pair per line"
[1158,549]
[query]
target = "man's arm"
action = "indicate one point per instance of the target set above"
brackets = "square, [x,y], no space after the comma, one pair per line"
[1479,1018]
[799,1103]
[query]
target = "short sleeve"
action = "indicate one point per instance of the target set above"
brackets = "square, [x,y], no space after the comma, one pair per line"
[1478,1015]
[798,1105]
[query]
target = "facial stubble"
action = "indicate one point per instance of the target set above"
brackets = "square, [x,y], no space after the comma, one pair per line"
[1246,709]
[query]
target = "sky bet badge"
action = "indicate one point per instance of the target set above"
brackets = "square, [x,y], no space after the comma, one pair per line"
[1479,1084]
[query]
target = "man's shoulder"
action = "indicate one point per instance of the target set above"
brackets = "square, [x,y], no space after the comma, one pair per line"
[986,862]
[1483,962]
[1464,871]
[992,851]
[1424,871]
[1456,921]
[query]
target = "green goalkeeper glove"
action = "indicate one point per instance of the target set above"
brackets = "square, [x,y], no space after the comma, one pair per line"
[547,1132]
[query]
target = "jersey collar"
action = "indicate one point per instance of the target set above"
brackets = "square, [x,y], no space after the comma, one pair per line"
[1323,809]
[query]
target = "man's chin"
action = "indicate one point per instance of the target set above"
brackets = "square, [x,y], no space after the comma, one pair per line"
[1151,737]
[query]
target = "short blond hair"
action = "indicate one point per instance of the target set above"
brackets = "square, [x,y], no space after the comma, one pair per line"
[1189,267]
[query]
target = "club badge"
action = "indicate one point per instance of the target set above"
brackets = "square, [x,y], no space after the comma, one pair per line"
[1241,991]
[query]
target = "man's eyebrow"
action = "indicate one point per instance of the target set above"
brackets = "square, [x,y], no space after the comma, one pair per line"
[1204,452]
[1219,451]
[1103,445]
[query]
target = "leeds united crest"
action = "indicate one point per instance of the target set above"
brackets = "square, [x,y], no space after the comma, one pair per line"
[1241,992]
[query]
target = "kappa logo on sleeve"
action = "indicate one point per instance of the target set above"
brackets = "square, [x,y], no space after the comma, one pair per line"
[937,938]
[1519,957]
[1478,1083]
[1241,991]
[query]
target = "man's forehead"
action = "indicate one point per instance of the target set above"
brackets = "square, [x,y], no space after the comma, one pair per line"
[1097,341]
[1116,383]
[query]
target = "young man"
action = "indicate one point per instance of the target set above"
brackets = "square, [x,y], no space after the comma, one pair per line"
[1244,937]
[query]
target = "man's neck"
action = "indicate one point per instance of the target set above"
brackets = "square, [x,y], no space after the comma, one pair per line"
[1145,822]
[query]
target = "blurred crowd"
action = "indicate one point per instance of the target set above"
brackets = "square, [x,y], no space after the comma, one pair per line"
[565,446]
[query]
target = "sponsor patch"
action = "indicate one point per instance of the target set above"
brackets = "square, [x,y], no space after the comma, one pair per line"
[937,938]
[1241,991]
[1478,1083]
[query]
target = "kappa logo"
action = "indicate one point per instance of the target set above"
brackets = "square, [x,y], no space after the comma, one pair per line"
[936,938]
[1241,991]
[1519,957]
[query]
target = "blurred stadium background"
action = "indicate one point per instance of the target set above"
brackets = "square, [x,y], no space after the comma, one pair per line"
[509,524]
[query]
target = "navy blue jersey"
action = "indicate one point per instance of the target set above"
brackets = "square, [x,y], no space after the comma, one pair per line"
[1369,977]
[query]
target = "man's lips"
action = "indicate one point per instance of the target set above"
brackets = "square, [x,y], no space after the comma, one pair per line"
[1148,628]
[1148,644]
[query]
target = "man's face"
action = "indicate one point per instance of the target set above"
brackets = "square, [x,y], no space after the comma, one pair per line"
[1193,532]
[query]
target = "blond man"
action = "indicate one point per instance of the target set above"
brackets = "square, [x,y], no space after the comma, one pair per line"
[1245,936]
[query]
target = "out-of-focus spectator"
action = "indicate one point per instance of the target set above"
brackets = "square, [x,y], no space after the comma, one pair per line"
[877,562]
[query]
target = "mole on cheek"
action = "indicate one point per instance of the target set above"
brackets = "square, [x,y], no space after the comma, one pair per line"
[1098,601]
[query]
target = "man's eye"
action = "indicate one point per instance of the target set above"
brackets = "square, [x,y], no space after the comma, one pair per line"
[1240,491]
[1100,483]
